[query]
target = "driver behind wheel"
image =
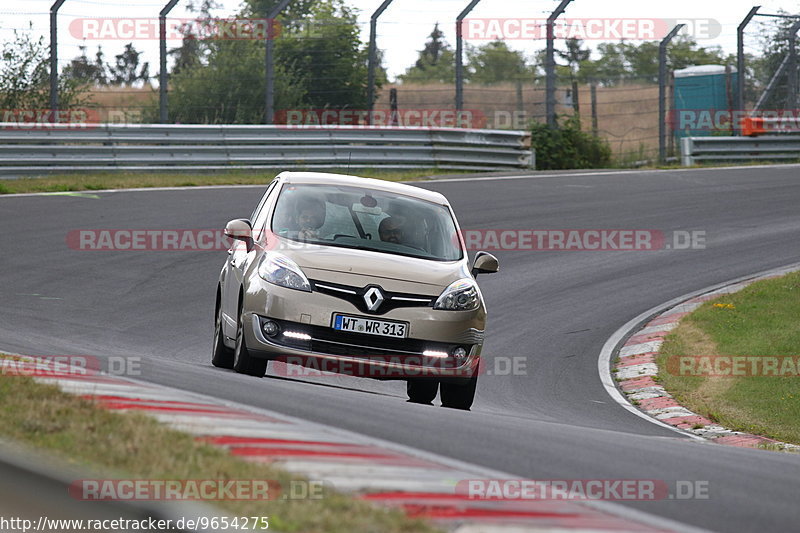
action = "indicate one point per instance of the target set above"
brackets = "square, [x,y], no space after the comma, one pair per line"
[391,229]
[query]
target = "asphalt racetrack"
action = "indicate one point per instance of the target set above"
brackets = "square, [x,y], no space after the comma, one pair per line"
[552,310]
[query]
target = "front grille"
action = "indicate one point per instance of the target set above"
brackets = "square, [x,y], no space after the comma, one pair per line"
[355,295]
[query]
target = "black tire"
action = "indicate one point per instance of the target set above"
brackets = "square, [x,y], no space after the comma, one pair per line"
[221,355]
[422,390]
[459,395]
[243,362]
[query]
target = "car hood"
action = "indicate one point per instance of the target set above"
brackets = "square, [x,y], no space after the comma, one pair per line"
[356,267]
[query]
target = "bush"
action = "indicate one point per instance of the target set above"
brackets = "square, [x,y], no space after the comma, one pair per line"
[568,146]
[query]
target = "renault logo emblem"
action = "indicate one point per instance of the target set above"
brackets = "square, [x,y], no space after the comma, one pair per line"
[373,298]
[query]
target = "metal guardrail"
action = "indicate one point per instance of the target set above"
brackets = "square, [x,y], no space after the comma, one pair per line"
[75,147]
[34,488]
[696,150]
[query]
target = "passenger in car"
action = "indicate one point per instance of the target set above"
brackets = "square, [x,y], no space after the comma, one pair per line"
[310,217]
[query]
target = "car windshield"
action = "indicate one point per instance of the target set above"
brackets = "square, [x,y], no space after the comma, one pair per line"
[367,219]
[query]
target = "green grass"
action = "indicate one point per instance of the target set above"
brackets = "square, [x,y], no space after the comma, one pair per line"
[127,180]
[761,320]
[134,446]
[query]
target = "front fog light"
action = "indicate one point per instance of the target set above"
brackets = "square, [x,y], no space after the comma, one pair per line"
[459,352]
[270,328]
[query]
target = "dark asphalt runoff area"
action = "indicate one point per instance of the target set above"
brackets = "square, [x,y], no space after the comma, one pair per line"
[553,310]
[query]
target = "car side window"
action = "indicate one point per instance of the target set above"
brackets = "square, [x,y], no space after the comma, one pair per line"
[260,214]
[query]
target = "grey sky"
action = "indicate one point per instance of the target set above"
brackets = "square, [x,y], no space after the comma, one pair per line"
[404,26]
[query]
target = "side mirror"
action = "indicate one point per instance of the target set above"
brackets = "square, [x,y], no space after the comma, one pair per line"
[484,263]
[240,229]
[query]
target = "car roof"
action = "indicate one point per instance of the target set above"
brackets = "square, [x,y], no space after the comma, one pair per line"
[355,181]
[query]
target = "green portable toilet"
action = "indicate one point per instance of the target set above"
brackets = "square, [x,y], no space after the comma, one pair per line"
[704,98]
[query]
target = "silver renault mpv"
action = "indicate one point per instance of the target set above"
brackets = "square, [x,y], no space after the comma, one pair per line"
[354,276]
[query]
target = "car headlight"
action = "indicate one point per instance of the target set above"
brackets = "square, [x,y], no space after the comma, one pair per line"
[461,295]
[280,270]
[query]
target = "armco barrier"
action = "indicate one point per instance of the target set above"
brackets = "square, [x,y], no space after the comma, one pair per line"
[76,147]
[696,150]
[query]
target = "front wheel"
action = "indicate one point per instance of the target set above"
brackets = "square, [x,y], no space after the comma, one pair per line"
[422,390]
[243,362]
[221,356]
[459,395]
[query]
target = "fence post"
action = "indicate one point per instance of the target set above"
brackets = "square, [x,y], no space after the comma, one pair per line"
[162,56]
[740,59]
[54,56]
[372,58]
[791,98]
[395,115]
[460,54]
[550,66]
[269,59]
[662,83]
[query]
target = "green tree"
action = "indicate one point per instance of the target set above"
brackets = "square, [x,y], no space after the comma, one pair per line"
[127,68]
[683,52]
[575,56]
[83,70]
[610,68]
[188,55]
[495,62]
[436,61]
[567,146]
[774,44]
[223,80]
[229,88]
[620,62]
[330,57]
[25,77]
[294,15]
[192,49]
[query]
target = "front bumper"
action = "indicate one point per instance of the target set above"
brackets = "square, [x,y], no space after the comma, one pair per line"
[316,344]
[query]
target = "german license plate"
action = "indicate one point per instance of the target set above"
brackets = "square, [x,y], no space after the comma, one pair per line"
[369,326]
